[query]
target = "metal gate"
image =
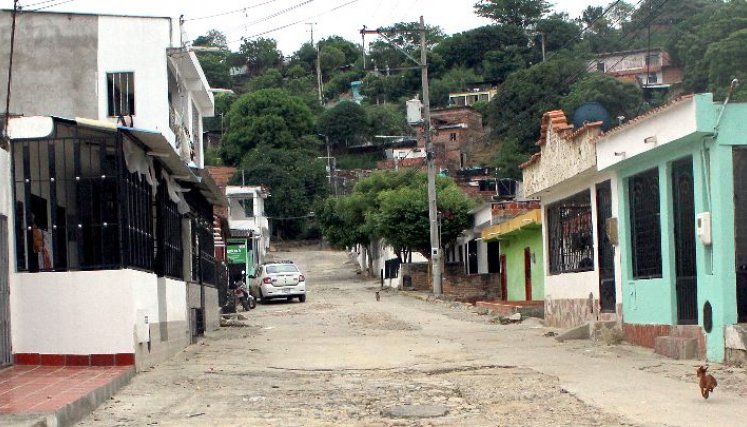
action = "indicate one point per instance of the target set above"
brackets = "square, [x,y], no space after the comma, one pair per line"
[684,241]
[6,353]
[607,292]
[740,230]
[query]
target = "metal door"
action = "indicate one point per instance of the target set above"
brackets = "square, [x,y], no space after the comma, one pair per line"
[504,281]
[493,257]
[6,353]
[684,241]
[740,230]
[528,274]
[606,256]
[472,257]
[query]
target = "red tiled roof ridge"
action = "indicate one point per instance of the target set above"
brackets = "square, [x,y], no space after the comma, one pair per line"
[645,116]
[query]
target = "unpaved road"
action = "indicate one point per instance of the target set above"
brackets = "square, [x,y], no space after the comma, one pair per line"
[342,358]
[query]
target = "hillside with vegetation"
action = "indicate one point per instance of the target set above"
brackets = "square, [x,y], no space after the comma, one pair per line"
[276,126]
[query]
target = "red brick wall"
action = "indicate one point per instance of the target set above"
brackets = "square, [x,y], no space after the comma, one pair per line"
[456,284]
[645,335]
[514,208]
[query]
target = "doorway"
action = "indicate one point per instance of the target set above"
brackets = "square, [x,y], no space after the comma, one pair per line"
[527,274]
[606,255]
[740,230]
[472,257]
[684,241]
[6,352]
[504,284]
[493,257]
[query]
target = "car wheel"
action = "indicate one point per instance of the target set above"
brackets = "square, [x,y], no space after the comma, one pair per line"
[302,298]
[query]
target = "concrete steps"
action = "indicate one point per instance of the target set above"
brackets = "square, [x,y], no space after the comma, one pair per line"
[677,347]
[507,308]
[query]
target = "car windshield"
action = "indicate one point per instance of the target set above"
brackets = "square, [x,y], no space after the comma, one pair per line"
[281,268]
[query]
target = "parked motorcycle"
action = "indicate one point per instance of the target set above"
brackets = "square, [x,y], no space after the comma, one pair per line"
[238,294]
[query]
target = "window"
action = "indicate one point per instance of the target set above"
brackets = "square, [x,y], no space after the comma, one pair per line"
[645,225]
[452,137]
[653,59]
[571,234]
[120,89]
[248,205]
[601,67]
[653,78]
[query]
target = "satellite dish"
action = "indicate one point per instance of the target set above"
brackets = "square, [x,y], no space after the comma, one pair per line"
[592,112]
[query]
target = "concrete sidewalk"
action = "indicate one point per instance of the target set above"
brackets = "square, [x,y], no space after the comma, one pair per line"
[630,381]
[56,396]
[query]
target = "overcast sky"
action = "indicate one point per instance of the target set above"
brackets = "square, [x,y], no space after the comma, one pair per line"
[254,17]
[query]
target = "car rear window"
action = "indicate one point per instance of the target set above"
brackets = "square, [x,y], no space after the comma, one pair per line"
[281,268]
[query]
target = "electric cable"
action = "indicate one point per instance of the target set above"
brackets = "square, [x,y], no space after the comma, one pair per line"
[230,12]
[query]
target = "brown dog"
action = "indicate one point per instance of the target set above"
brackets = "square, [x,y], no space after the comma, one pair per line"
[706,381]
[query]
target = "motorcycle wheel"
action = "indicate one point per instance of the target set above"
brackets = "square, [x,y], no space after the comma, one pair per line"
[252,303]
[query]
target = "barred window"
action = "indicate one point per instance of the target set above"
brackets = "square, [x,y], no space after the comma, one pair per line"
[645,225]
[120,89]
[571,234]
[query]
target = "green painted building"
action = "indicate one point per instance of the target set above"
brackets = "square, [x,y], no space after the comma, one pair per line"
[682,226]
[521,262]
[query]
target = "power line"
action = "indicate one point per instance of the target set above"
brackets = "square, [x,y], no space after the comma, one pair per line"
[230,12]
[48,6]
[296,22]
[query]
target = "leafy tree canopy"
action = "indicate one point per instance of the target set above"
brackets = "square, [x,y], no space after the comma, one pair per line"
[296,180]
[260,54]
[269,117]
[521,13]
[469,48]
[393,205]
[619,98]
[527,94]
[345,124]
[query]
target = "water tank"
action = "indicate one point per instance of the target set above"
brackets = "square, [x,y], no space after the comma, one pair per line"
[590,112]
[414,112]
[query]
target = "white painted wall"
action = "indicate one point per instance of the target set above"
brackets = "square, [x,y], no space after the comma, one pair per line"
[579,285]
[91,312]
[667,126]
[137,45]
[88,312]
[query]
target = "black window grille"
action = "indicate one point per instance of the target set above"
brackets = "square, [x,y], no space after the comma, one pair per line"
[169,252]
[67,201]
[571,234]
[121,94]
[204,268]
[645,224]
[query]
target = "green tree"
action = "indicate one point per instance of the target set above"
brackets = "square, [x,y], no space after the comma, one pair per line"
[296,180]
[455,80]
[223,102]
[470,48]
[214,64]
[345,124]
[527,94]
[393,206]
[260,54]
[340,83]
[521,13]
[330,59]
[271,78]
[386,119]
[269,117]
[510,155]
[351,51]
[618,98]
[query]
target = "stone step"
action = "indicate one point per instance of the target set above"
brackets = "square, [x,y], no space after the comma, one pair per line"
[507,308]
[676,347]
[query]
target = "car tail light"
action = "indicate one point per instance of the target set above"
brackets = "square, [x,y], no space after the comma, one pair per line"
[301,278]
[267,280]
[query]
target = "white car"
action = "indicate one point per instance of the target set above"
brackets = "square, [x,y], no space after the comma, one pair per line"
[278,279]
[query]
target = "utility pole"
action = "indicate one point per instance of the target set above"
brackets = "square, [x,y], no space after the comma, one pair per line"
[431,157]
[436,267]
[542,36]
[5,141]
[318,63]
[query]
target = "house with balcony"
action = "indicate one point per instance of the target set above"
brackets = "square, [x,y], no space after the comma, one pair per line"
[249,235]
[105,206]
[649,68]
[581,267]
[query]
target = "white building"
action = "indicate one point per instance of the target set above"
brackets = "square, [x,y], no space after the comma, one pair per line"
[249,228]
[582,267]
[106,210]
